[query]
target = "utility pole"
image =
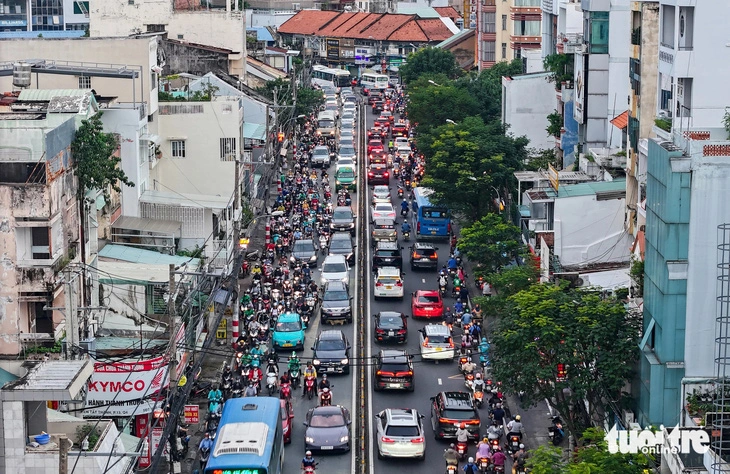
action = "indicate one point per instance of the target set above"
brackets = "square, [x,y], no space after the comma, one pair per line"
[172,311]
[72,315]
[64,445]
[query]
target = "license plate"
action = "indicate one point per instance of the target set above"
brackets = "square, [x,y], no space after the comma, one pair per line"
[395,385]
[327,448]
[391,333]
[388,287]
[287,345]
[439,349]
[433,232]
[331,370]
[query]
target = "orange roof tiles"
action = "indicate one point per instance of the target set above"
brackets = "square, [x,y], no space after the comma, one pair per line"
[373,26]
[621,120]
[448,12]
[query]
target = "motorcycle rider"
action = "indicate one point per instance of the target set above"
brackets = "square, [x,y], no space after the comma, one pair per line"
[462,435]
[515,427]
[458,307]
[452,264]
[205,447]
[309,371]
[498,458]
[405,227]
[494,431]
[469,367]
[285,378]
[404,207]
[470,467]
[519,459]
[308,460]
[254,373]
[478,382]
[251,390]
[451,456]
[324,383]
[484,348]
[497,413]
[484,449]
[215,394]
[465,319]
[494,399]
[449,319]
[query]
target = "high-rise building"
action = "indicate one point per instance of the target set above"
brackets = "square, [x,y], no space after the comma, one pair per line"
[43,15]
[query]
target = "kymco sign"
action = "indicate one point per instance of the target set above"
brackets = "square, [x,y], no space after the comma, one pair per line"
[123,382]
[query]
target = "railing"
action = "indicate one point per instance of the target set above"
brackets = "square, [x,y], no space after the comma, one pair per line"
[636,36]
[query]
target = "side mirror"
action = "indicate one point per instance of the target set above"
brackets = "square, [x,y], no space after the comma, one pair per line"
[349,347]
[349,422]
[402,248]
[305,423]
[313,348]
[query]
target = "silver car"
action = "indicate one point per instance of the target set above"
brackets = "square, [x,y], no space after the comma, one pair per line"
[400,434]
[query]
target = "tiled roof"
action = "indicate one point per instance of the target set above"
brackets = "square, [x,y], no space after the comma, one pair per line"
[448,12]
[374,26]
[621,120]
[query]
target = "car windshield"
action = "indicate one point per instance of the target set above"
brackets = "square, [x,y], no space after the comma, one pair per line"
[347,150]
[425,251]
[334,268]
[438,339]
[303,246]
[325,123]
[383,208]
[391,322]
[406,431]
[335,295]
[291,326]
[458,414]
[321,151]
[327,421]
[340,244]
[346,173]
[341,215]
[428,299]
[331,345]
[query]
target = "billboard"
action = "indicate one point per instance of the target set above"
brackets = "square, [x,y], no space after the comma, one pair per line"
[580,88]
[122,382]
[333,49]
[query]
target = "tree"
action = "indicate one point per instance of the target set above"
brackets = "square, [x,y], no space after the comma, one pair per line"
[94,162]
[593,339]
[308,99]
[515,278]
[486,88]
[594,457]
[561,65]
[430,106]
[546,460]
[490,242]
[555,124]
[429,61]
[542,160]
[471,158]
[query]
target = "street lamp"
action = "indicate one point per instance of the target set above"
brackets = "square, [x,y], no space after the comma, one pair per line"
[434,83]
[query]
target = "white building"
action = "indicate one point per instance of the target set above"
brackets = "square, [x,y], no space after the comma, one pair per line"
[527,100]
[220,28]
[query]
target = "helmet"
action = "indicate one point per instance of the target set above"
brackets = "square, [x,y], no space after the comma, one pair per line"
[458,300]
[294,354]
[308,453]
[518,418]
[325,390]
[486,440]
[468,359]
[452,446]
[484,340]
[478,376]
[462,426]
[471,459]
[522,446]
[324,376]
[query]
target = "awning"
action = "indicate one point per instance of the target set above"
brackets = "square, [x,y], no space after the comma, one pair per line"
[621,120]
[100,202]
[254,131]
[151,226]
[149,137]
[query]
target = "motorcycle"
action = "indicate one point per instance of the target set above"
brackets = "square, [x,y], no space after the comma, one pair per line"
[325,399]
[271,378]
[204,456]
[310,469]
[400,192]
[469,380]
[483,464]
[407,236]
[309,386]
[404,211]
[479,398]
[285,391]
[443,286]
[214,406]
[451,469]
[513,443]
[294,374]
[555,431]
[461,448]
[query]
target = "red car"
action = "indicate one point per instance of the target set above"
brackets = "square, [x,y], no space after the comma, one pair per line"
[374,145]
[427,304]
[287,413]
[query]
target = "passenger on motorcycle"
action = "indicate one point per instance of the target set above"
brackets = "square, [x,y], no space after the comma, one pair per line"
[515,427]
[498,458]
[494,431]
[497,413]
[462,435]
[451,456]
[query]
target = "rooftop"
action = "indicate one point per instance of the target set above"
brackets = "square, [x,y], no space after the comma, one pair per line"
[138,255]
[125,273]
[50,380]
[205,201]
[616,187]
[367,26]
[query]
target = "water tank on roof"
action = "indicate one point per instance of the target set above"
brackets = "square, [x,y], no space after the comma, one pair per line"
[21,75]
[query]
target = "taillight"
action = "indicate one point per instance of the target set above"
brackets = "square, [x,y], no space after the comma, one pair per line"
[416,255]
[385,174]
[399,283]
[402,331]
[418,227]
[425,342]
[448,228]
[417,440]
[380,331]
[370,174]
[387,440]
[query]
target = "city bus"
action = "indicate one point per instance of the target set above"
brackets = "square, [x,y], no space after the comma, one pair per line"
[328,77]
[249,439]
[429,221]
[374,81]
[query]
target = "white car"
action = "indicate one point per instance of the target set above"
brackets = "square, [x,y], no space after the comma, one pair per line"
[401,142]
[381,193]
[335,268]
[350,107]
[403,151]
[436,342]
[400,434]
[343,162]
[383,210]
[388,283]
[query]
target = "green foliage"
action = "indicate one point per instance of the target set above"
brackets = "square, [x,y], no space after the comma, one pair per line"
[547,325]
[197,252]
[516,278]
[637,274]
[486,87]
[430,106]
[663,123]
[457,155]
[87,431]
[94,162]
[206,95]
[429,61]
[308,99]
[561,65]
[542,160]
[54,349]
[555,124]
[546,459]
[726,122]
[490,242]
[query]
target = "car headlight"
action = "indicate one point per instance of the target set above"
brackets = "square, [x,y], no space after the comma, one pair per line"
[309,439]
[345,361]
[344,439]
[315,362]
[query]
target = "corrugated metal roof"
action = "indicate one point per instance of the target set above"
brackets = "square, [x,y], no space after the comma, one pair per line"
[460,36]
[204,201]
[132,273]
[415,9]
[592,188]
[43,95]
[262,33]
[153,226]
[138,255]
[254,131]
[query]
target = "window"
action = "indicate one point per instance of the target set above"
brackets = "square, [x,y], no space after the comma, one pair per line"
[81,8]
[488,53]
[686,27]
[527,28]
[178,148]
[84,82]
[527,3]
[489,22]
[40,243]
[667,26]
[228,149]
[504,22]
[298,6]
[598,32]
[504,50]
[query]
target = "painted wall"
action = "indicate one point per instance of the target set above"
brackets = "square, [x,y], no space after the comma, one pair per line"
[527,100]
[201,171]
[569,139]
[587,230]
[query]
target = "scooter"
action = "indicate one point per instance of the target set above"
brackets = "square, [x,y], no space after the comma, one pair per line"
[204,456]
[309,387]
[310,469]
[483,464]
[461,448]
[214,406]
[271,378]
[479,398]
[294,374]
[325,399]
[407,236]
[513,443]
[451,469]
[285,391]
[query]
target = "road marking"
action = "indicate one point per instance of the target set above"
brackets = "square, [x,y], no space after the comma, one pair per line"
[440,382]
[457,376]
[423,280]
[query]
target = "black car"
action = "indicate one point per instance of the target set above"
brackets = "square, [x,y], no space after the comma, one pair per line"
[424,256]
[336,303]
[387,254]
[343,220]
[341,244]
[393,370]
[378,106]
[331,353]
[305,252]
[328,429]
[449,409]
[391,326]
[378,174]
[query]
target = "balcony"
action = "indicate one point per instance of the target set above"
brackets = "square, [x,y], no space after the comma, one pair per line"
[570,43]
[528,42]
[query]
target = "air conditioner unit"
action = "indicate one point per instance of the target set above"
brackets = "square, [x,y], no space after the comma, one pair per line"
[664,113]
[628,417]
